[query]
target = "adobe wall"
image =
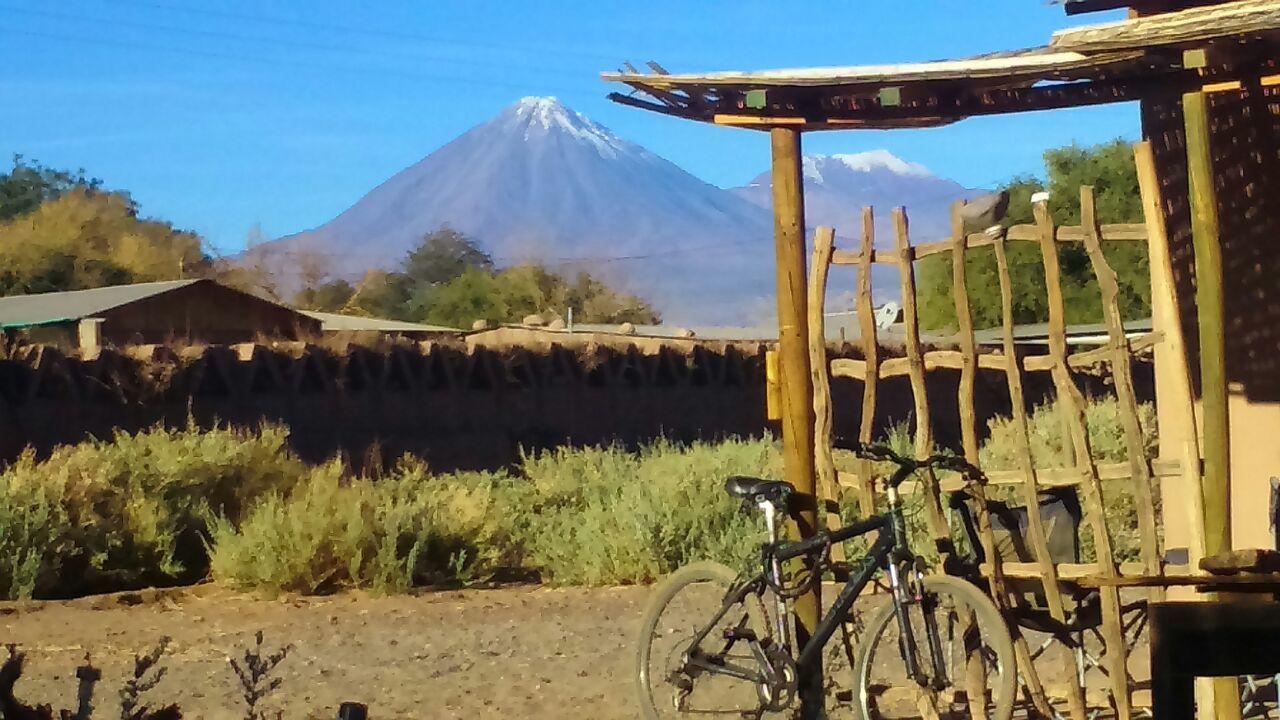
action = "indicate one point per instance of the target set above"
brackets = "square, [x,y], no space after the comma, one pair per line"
[458,408]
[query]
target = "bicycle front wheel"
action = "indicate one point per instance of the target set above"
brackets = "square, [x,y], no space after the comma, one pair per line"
[965,658]
[682,606]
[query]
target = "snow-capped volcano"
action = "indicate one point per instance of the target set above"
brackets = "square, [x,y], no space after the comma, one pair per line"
[837,187]
[869,162]
[540,182]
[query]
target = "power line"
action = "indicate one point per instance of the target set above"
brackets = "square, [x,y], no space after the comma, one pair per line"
[280,62]
[275,41]
[373,32]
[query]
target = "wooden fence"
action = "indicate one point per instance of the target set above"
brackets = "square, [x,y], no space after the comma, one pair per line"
[1115,357]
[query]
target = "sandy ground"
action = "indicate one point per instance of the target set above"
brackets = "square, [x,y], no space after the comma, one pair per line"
[514,652]
[523,652]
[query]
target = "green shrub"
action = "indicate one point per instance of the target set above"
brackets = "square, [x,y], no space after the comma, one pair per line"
[110,515]
[1107,442]
[331,532]
[1048,439]
[608,516]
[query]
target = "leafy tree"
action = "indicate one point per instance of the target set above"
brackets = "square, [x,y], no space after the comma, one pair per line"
[28,184]
[329,296]
[449,280]
[381,294]
[510,295]
[86,238]
[444,255]
[1109,168]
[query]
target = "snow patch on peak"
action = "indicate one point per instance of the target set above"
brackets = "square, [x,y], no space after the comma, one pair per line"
[547,114]
[881,160]
[811,170]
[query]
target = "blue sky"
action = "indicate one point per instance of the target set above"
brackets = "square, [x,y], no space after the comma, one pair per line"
[282,113]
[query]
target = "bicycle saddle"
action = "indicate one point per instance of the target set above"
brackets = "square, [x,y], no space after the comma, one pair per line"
[741,486]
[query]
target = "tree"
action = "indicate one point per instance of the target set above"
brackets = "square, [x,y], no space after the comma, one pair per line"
[86,238]
[443,255]
[329,296]
[1110,169]
[28,184]
[381,294]
[510,295]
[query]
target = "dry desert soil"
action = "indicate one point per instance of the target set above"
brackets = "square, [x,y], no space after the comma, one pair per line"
[526,652]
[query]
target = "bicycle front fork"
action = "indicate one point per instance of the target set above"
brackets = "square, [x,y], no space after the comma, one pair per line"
[904,596]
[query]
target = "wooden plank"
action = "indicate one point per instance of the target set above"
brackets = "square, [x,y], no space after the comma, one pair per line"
[945,359]
[1089,358]
[797,390]
[1269,582]
[1122,379]
[824,462]
[916,368]
[1065,571]
[850,368]
[1046,477]
[870,354]
[1211,314]
[1242,17]
[1024,233]
[1071,401]
[1165,319]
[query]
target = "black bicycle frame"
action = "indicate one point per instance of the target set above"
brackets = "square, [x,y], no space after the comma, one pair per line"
[889,548]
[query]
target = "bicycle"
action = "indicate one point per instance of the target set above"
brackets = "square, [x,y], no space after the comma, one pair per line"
[939,648]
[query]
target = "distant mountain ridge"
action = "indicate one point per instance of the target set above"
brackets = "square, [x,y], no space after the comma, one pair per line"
[837,187]
[539,182]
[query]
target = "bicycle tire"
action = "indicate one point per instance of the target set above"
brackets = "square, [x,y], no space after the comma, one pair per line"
[994,634]
[663,593]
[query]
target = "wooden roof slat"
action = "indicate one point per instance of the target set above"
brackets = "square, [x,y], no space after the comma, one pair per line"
[1035,63]
[1242,17]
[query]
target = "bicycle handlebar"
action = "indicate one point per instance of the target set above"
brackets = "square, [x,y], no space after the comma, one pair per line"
[908,465]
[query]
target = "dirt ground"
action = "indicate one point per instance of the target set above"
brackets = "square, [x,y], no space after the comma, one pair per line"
[516,652]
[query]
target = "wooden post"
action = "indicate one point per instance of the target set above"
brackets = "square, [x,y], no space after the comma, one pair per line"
[870,355]
[1216,482]
[1209,305]
[1071,401]
[797,385]
[824,461]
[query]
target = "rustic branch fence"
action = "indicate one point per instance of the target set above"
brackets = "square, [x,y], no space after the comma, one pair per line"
[1094,482]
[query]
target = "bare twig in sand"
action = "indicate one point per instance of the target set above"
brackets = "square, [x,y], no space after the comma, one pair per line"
[255,676]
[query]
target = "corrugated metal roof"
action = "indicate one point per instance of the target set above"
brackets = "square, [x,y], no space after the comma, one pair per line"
[57,307]
[337,322]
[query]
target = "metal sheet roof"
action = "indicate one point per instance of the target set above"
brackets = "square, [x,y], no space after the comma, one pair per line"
[337,322]
[58,307]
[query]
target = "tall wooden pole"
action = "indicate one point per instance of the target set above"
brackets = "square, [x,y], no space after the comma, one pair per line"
[797,384]
[1211,317]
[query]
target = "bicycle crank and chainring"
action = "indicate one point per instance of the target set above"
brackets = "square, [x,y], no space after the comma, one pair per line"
[779,689]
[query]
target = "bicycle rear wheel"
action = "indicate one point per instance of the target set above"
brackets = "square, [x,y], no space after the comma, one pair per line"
[979,671]
[682,606]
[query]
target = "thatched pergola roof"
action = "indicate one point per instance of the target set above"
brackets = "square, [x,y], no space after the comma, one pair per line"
[1106,63]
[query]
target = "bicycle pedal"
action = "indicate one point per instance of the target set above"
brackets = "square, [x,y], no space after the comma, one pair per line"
[740,634]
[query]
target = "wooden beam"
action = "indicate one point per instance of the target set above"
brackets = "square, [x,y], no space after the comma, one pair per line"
[1211,320]
[797,382]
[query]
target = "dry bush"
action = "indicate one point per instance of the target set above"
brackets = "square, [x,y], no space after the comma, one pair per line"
[609,516]
[131,511]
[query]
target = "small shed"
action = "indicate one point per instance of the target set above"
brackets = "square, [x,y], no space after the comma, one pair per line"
[192,310]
